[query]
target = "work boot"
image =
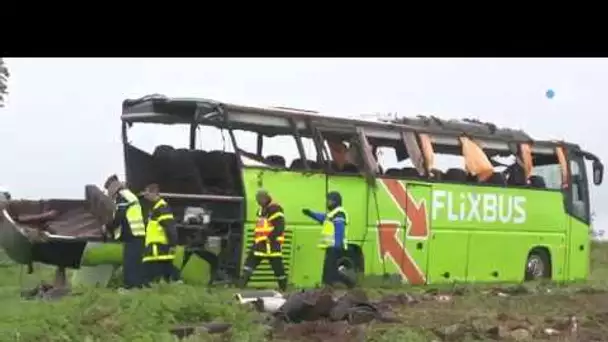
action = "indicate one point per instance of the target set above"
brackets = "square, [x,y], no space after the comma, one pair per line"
[220,278]
[347,277]
[282,284]
[242,282]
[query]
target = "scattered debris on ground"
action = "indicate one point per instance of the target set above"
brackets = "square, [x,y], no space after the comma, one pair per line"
[505,327]
[322,315]
[45,291]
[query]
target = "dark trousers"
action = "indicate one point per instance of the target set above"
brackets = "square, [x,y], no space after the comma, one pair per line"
[211,258]
[331,274]
[132,254]
[252,262]
[161,270]
[276,263]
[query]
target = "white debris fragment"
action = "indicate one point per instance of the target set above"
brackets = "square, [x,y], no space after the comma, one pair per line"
[271,304]
[573,324]
[551,332]
[252,296]
[443,298]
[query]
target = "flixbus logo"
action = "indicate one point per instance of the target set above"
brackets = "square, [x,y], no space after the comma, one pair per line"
[476,207]
[390,244]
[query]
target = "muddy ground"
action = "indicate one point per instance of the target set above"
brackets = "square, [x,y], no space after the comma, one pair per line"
[510,313]
[535,312]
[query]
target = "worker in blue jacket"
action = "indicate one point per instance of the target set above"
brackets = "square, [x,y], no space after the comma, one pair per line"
[333,237]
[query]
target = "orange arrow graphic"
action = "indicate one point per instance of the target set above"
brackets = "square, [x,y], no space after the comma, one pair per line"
[390,245]
[416,214]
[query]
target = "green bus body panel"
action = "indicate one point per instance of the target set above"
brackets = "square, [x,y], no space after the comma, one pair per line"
[294,191]
[422,232]
[579,248]
[196,270]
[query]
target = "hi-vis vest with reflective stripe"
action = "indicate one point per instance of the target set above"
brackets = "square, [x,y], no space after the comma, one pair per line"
[264,227]
[328,231]
[157,247]
[134,215]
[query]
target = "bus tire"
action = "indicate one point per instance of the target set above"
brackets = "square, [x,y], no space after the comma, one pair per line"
[351,263]
[538,265]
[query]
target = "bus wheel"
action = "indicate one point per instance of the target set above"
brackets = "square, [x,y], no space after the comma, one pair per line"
[538,265]
[350,265]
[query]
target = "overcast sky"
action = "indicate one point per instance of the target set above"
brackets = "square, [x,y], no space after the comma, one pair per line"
[61,127]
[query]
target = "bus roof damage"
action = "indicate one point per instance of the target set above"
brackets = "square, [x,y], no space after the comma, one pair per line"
[273,121]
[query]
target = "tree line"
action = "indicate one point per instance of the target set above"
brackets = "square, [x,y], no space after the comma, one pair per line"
[4,75]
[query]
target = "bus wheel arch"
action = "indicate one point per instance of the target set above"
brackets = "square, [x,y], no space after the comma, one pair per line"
[353,259]
[538,264]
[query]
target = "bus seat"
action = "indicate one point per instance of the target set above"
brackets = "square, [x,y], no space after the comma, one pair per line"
[455,175]
[393,172]
[198,156]
[162,150]
[218,177]
[297,164]
[472,178]
[314,165]
[437,174]
[350,168]
[517,176]
[537,182]
[497,178]
[275,160]
[333,166]
[162,159]
[200,160]
[410,172]
[185,176]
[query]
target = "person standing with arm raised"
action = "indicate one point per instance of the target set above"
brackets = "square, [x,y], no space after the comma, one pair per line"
[333,237]
[127,226]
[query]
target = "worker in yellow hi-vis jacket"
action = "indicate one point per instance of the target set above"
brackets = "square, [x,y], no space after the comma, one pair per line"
[128,227]
[161,239]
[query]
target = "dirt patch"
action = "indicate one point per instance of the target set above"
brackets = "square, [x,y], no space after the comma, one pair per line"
[322,315]
[510,313]
[321,331]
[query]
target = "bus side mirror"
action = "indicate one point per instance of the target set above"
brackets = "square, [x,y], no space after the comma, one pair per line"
[598,172]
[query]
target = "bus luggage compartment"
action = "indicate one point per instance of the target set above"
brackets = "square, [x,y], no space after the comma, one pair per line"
[53,231]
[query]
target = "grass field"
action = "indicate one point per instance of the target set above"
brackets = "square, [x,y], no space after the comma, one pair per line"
[469,313]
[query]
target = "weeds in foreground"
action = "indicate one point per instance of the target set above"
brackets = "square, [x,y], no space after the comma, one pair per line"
[473,313]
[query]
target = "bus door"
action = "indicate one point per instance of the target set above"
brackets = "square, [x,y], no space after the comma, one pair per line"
[307,189]
[341,154]
[340,148]
[398,212]
[417,231]
[577,205]
[402,209]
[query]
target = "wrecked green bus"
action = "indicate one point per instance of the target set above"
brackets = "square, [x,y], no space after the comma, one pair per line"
[430,201]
